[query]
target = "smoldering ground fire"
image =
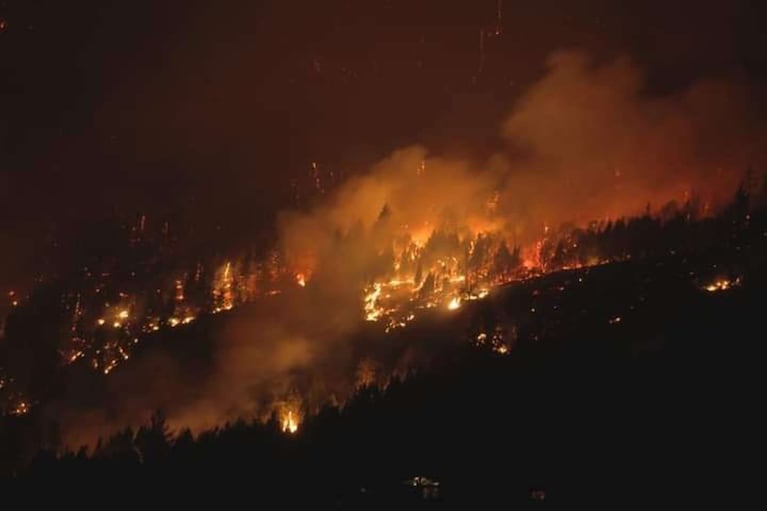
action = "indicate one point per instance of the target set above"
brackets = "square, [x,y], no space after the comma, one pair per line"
[424,231]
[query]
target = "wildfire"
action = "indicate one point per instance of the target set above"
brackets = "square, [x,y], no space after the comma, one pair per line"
[431,266]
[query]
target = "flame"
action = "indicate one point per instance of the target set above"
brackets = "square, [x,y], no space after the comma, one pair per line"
[372,311]
[454,303]
[301,279]
[222,292]
[289,422]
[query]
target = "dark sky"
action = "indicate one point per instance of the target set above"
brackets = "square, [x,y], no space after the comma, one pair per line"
[205,110]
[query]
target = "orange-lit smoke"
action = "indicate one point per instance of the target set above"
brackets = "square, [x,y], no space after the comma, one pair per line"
[583,143]
[592,145]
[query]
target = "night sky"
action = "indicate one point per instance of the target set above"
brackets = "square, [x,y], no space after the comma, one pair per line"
[203,112]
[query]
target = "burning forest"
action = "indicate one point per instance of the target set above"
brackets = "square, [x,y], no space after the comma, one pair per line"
[290,244]
[416,232]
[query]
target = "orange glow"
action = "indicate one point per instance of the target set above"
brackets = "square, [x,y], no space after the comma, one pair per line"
[21,408]
[721,285]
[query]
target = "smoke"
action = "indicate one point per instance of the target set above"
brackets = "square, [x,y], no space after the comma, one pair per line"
[592,145]
[585,142]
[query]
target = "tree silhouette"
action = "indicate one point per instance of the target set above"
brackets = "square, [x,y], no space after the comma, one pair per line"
[154,440]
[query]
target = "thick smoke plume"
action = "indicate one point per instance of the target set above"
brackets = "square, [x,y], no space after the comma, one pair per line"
[593,146]
[584,143]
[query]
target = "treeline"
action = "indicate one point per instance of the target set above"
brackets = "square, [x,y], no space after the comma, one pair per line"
[676,229]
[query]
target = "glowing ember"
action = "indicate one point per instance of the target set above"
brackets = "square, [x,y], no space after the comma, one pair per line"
[74,356]
[454,303]
[123,314]
[109,366]
[721,285]
[301,279]
[21,408]
[179,291]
